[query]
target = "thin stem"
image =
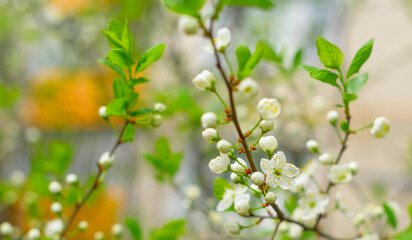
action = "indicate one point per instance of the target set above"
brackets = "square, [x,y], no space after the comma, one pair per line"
[338,132]
[228,63]
[316,183]
[276,230]
[363,128]
[220,98]
[248,133]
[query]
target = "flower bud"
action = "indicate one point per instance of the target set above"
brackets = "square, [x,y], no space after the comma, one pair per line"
[224,146]
[156,120]
[55,187]
[102,112]
[258,178]
[204,80]
[242,207]
[83,225]
[353,167]
[192,192]
[326,159]
[106,160]
[34,234]
[219,164]
[6,229]
[98,236]
[232,228]
[359,219]
[271,197]
[117,230]
[72,179]
[268,144]
[268,108]
[210,135]
[333,117]
[222,39]
[237,166]
[209,120]
[188,25]
[267,125]
[248,88]
[56,208]
[159,107]
[381,127]
[235,178]
[312,146]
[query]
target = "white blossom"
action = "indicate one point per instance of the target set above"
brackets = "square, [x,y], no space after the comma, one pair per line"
[267,125]
[204,80]
[340,174]
[312,145]
[55,187]
[83,225]
[359,219]
[268,108]
[231,196]
[268,144]
[353,166]
[159,107]
[242,207]
[239,165]
[381,127]
[102,112]
[188,25]
[222,39]
[117,229]
[192,192]
[209,120]
[235,178]
[18,177]
[295,231]
[374,210]
[312,204]
[98,236]
[301,182]
[33,234]
[56,207]
[6,229]
[232,227]
[278,171]
[53,227]
[271,197]
[326,159]
[258,178]
[72,179]
[248,88]
[219,164]
[210,135]
[333,117]
[368,236]
[106,160]
[224,146]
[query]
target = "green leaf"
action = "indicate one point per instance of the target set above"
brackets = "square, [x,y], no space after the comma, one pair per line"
[56,160]
[220,187]
[115,68]
[291,203]
[390,214]
[348,97]
[322,75]
[121,88]
[130,100]
[139,80]
[134,228]
[270,54]
[360,58]
[170,231]
[251,62]
[141,111]
[127,39]
[113,40]
[116,108]
[120,58]
[356,83]
[243,54]
[297,60]
[407,233]
[330,55]
[149,56]
[114,33]
[344,126]
[129,132]
[8,95]
[265,4]
[186,7]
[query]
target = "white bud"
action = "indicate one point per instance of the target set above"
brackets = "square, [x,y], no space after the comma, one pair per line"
[224,146]
[192,192]
[117,230]
[210,135]
[235,178]
[223,39]
[267,125]
[359,219]
[159,107]
[106,160]
[353,167]
[242,207]
[72,179]
[98,236]
[268,108]
[156,120]
[312,145]
[56,207]
[102,112]
[209,120]
[55,187]
[18,177]
[232,228]
[219,164]
[204,80]
[33,234]
[6,229]
[188,25]
[83,225]
[381,127]
[237,167]
[326,159]
[258,178]
[271,197]
[333,117]
[248,88]
[268,144]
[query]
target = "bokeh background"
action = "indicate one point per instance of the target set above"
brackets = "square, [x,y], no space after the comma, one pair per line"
[51,87]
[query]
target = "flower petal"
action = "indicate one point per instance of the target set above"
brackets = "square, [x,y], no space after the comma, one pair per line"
[286,182]
[271,180]
[290,170]
[266,165]
[279,158]
[240,197]
[224,204]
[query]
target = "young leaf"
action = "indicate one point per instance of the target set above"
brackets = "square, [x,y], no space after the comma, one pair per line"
[130,100]
[129,133]
[137,81]
[151,55]
[344,126]
[251,62]
[348,97]
[265,4]
[322,75]
[330,55]
[116,108]
[127,39]
[170,231]
[291,204]
[120,58]
[270,54]
[356,83]
[406,234]
[115,68]
[120,88]
[390,214]
[134,228]
[297,60]
[360,58]
[141,111]
[186,7]
[113,40]
[242,54]
[116,27]
[219,187]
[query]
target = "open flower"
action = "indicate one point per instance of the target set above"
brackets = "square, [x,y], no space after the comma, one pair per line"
[268,108]
[232,196]
[312,204]
[340,174]
[381,127]
[248,88]
[278,171]
[219,164]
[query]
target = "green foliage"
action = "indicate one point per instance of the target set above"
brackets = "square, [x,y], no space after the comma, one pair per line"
[140,80]
[270,54]
[121,88]
[170,231]
[330,55]
[134,228]
[344,126]
[116,108]
[8,96]
[163,160]
[186,7]
[118,70]
[246,61]
[356,83]
[149,56]
[56,160]
[129,133]
[360,58]
[265,4]
[219,187]
[407,233]
[120,58]
[390,214]
[291,203]
[322,75]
